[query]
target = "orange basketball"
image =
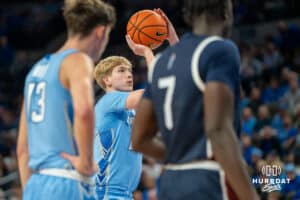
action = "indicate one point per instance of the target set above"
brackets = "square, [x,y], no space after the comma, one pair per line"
[148,28]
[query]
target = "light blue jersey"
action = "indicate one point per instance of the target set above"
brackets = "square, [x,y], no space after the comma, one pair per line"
[119,167]
[49,118]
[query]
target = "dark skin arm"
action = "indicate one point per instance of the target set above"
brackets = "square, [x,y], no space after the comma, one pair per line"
[219,129]
[144,131]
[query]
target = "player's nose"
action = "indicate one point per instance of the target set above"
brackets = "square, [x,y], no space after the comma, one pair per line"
[129,74]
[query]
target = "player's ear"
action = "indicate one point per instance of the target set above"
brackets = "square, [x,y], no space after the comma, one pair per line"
[107,81]
[100,31]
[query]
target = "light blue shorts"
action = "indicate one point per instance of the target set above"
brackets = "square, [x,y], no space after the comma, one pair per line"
[48,187]
[104,194]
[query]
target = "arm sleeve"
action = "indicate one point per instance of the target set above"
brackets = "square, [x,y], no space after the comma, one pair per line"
[116,101]
[224,64]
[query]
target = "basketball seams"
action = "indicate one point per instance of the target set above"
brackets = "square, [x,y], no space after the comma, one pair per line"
[153,34]
[147,26]
[133,23]
[140,30]
[137,26]
[151,37]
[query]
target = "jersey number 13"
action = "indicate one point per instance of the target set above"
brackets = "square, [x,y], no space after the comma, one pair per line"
[36,101]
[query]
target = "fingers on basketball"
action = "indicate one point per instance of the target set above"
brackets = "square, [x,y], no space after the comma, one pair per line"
[148,28]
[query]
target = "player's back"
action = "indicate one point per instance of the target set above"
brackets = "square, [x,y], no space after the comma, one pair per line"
[176,87]
[177,83]
[49,114]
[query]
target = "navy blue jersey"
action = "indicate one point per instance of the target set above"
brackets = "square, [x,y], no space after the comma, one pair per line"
[176,84]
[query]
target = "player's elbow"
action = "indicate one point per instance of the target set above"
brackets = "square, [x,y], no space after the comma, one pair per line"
[21,150]
[134,98]
[84,113]
[212,132]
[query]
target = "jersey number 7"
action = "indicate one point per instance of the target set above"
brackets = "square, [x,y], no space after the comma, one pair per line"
[169,84]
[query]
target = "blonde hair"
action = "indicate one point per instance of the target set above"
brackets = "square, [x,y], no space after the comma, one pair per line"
[105,67]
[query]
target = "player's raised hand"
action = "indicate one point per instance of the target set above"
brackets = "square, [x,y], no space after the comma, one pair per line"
[138,49]
[81,167]
[172,35]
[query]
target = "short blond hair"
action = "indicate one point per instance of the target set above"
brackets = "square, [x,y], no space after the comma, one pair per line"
[105,67]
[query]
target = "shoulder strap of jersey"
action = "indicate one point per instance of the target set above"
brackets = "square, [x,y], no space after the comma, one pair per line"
[195,61]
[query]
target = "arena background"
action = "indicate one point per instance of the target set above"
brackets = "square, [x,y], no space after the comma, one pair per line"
[267,33]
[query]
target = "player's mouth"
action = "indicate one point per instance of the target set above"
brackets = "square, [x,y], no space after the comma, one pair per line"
[130,83]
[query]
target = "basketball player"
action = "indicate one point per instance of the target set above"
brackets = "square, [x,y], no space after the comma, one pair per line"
[119,166]
[55,144]
[192,97]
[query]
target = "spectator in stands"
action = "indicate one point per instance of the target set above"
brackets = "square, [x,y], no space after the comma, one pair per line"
[263,118]
[291,190]
[288,39]
[288,137]
[296,117]
[244,100]
[292,96]
[256,156]
[273,92]
[248,122]
[251,67]
[277,120]
[272,158]
[247,148]
[255,99]
[272,57]
[269,141]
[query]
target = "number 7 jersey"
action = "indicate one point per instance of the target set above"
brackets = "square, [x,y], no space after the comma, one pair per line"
[176,84]
[49,114]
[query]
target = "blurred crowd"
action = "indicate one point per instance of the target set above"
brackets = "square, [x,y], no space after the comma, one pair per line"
[270,91]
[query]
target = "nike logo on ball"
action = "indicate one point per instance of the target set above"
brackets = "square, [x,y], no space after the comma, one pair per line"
[159,34]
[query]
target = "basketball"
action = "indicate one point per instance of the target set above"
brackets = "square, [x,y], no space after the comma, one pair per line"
[148,28]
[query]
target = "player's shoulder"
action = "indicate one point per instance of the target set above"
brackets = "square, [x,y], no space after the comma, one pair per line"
[77,62]
[78,58]
[223,46]
[110,97]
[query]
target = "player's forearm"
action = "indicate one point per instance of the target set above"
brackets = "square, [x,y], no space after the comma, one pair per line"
[134,98]
[227,153]
[84,133]
[173,40]
[150,147]
[149,56]
[24,170]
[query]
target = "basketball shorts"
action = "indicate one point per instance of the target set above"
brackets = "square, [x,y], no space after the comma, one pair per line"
[59,184]
[199,180]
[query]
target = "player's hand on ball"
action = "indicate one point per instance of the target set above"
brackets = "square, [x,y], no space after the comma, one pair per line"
[80,166]
[138,49]
[172,35]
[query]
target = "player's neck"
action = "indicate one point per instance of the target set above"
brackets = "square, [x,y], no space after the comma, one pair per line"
[83,45]
[202,27]
[110,89]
